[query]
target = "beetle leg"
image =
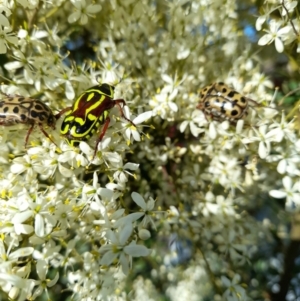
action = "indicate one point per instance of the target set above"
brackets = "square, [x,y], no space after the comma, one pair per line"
[122,101]
[103,131]
[28,134]
[63,111]
[46,134]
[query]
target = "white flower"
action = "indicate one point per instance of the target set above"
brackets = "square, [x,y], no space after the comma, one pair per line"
[70,154]
[117,188]
[226,172]
[212,205]
[163,103]
[98,197]
[65,214]
[6,38]
[63,74]
[234,291]
[24,164]
[289,7]
[43,283]
[8,257]
[16,286]
[291,192]
[288,160]
[265,138]
[259,82]
[45,159]
[26,62]
[275,34]
[49,252]
[123,170]
[194,121]
[83,11]
[54,38]
[282,130]
[132,130]
[146,212]
[119,248]
[108,221]
[147,209]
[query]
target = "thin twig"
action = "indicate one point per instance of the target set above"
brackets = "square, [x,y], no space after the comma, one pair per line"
[290,20]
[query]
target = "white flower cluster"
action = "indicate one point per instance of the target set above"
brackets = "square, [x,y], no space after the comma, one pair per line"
[281,31]
[177,186]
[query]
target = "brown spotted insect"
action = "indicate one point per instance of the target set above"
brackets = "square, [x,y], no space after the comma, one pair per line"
[18,109]
[223,103]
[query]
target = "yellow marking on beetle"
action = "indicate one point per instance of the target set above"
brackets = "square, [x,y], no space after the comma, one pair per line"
[65,130]
[79,120]
[69,118]
[92,117]
[90,96]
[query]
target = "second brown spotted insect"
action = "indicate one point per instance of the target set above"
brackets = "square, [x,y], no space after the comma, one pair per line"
[223,103]
[18,109]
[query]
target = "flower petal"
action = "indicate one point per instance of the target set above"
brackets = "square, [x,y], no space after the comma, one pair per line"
[139,200]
